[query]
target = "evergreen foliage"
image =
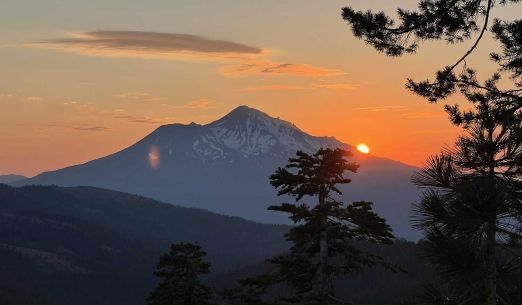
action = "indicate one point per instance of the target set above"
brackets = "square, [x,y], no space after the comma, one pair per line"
[323,239]
[453,21]
[471,210]
[180,270]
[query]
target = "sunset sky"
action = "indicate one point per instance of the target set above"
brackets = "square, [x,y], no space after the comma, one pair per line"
[83,79]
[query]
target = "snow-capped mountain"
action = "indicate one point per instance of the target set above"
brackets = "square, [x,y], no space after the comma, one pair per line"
[252,133]
[224,167]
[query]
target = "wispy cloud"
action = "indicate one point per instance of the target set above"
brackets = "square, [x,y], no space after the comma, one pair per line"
[33,98]
[338,86]
[91,128]
[77,127]
[6,95]
[147,45]
[382,108]
[74,103]
[199,104]
[246,60]
[404,112]
[275,88]
[140,119]
[140,96]
[425,115]
[268,68]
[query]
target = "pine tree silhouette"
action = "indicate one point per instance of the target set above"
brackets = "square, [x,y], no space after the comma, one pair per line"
[471,212]
[453,21]
[324,239]
[180,269]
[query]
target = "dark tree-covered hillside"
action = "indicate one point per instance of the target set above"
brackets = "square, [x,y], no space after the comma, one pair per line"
[85,245]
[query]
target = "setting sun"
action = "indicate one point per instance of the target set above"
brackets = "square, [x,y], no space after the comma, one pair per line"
[363,148]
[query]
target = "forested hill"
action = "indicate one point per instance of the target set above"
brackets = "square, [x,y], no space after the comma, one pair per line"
[84,245]
[11,178]
[374,286]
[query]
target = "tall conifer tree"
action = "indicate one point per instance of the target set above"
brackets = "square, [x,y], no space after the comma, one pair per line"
[324,240]
[471,211]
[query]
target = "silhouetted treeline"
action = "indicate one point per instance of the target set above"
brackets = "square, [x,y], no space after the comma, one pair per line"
[64,246]
[91,246]
[375,286]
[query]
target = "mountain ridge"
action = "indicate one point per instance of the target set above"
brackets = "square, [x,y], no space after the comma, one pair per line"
[10,178]
[224,167]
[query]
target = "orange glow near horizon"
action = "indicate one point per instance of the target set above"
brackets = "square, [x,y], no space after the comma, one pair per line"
[66,100]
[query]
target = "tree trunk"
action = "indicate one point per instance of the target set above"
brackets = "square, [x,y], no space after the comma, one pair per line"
[491,264]
[491,242]
[322,279]
[323,259]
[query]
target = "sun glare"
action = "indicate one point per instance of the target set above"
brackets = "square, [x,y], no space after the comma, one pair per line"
[363,148]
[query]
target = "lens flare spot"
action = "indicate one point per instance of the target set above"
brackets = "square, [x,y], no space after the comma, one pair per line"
[154,157]
[363,148]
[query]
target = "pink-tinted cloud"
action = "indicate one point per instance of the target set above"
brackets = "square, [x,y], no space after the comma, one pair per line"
[244,60]
[147,45]
[268,68]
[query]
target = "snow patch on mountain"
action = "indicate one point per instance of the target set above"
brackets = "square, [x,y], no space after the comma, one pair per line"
[252,133]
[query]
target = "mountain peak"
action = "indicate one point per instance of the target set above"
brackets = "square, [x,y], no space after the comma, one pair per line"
[242,133]
[240,115]
[245,109]
[251,132]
